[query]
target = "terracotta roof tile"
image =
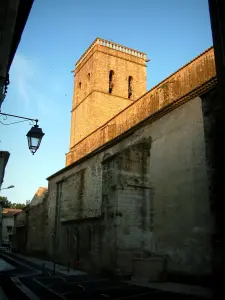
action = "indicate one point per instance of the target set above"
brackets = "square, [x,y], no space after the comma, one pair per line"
[10,212]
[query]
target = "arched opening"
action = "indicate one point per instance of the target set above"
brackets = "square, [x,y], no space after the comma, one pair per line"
[111,84]
[79,85]
[130,86]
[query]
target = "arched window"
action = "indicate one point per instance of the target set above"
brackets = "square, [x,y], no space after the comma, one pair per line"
[130,86]
[111,84]
[79,85]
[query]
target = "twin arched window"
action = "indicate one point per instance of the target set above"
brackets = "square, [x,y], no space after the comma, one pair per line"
[111,83]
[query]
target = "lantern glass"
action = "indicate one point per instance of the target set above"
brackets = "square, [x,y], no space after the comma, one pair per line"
[34,137]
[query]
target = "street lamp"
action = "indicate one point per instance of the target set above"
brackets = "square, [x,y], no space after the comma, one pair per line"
[34,135]
[9,187]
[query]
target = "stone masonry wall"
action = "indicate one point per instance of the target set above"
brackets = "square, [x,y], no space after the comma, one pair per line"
[97,108]
[171,90]
[37,223]
[128,197]
[21,219]
[161,200]
[91,99]
[85,227]
[19,241]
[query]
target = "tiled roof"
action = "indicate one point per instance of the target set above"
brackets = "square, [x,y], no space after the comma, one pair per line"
[10,212]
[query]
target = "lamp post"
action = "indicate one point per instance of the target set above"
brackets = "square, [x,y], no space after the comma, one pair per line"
[34,135]
[9,187]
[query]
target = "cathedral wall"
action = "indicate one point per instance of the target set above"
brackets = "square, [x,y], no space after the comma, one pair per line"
[128,200]
[97,109]
[170,91]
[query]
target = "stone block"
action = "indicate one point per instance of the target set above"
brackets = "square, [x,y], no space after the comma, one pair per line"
[151,269]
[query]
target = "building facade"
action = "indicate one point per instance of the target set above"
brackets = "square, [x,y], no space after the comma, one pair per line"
[8,225]
[31,224]
[135,183]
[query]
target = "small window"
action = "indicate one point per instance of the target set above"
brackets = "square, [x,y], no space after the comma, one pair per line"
[79,85]
[89,76]
[111,78]
[130,86]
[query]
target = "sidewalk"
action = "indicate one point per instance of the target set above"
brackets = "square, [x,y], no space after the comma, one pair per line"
[47,264]
[176,288]
[182,289]
[4,266]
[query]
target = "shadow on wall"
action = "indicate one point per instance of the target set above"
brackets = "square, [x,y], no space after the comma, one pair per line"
[31,226]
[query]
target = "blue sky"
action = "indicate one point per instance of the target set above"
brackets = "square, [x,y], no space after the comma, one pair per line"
[56,34]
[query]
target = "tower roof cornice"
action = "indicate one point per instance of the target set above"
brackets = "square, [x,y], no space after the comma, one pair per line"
[114,46]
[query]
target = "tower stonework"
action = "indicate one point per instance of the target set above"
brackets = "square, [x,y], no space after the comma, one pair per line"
[107,78]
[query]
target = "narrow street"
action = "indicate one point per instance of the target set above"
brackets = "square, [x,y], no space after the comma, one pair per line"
[20,279]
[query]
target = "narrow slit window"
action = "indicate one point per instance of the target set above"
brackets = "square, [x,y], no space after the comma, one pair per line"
[79,85]
[130,86]
[111,84]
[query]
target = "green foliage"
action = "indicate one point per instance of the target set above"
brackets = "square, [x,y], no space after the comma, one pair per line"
[17,205]
[7,204]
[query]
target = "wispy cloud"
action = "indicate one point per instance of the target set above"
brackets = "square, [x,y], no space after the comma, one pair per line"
[30,86]
[23,73]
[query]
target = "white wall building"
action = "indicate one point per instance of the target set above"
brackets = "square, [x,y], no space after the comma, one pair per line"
[8,223]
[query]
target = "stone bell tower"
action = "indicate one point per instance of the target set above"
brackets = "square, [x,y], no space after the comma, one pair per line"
[107,78]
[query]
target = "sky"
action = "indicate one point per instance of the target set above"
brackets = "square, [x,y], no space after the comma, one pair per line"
[171,32]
